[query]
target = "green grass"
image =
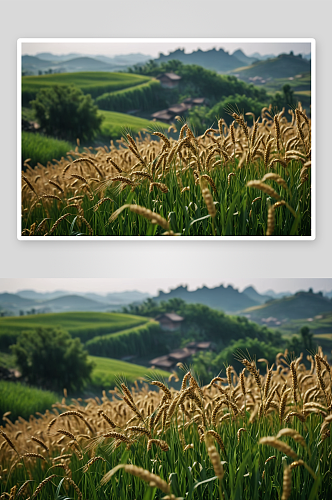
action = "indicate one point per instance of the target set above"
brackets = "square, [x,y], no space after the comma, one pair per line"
[107,371]
[138,341]
[42,149]
[95,83]
[247,473]
[23,401]
[187,212]
[7,360]
[114,123]
[84,325]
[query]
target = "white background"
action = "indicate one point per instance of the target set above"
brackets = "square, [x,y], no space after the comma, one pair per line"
[152,259]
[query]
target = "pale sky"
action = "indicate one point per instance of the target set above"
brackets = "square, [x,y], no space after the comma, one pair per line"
[153,48]
[152,285]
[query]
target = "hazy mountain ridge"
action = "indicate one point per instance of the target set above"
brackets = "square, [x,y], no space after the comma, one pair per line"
[29,301]
[301,305]
[223,298]
[214,59]
[70,63]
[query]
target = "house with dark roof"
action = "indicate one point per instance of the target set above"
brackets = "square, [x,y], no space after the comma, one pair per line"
[169,114]
[169,321]
[170,361]
[169,80]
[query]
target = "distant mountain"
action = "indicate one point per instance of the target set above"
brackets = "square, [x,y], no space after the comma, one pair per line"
[261,57]
[328,294]
[70,63]
[301,305]
[275,295]
[125,59]
[30,301]
[48,56]
[246,60]
[215,59]
[11,300]
[34,63]
[283,66]
[254,295]
[85,64]
[127,297]
[73,303]
[227,299]
[31,294]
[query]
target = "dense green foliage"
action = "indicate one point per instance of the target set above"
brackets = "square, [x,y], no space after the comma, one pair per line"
[107,372]
[140,341]
[201,118]
[143,97]
[94,83]
[84,325]
[199,82]
[202,323]
[42,149]
[207,365]
[66,113]
[50,358]
[302,343]
[23,401]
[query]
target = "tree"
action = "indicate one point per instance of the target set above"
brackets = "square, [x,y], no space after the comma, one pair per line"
[303,343]
[52,359]
[66,113]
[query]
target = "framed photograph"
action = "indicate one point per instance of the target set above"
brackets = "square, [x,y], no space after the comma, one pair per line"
[166,138]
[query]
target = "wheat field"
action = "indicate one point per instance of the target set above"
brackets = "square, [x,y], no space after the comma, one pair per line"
[248,435]
[232,180]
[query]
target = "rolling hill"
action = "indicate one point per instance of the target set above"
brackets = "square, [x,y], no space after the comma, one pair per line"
[283,66]
[95,83]
[45,62]
[84,325]
[215,59]
[24,301]
[301,305]
[222,298]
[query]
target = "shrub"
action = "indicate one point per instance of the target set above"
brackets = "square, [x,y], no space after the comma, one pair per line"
[66,113]
[52,359]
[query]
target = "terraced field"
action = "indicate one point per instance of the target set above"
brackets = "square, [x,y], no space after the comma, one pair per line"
[84,325]
[95,83]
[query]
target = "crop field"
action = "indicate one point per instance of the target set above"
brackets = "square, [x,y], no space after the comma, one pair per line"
[114,123]
[107,372]
[23,401]
[84,325]
[41,149]
[95,83]
[246,435]
[233,180]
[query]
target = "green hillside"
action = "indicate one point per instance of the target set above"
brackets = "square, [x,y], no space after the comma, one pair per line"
[285,65]
[114,123]
[95,83]
[84,325]
[107,371]
[298,306]
[321,324]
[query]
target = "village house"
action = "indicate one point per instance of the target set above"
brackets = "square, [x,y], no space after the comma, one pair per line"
[170,360]
[169,321]
[169,114]
[169,80]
